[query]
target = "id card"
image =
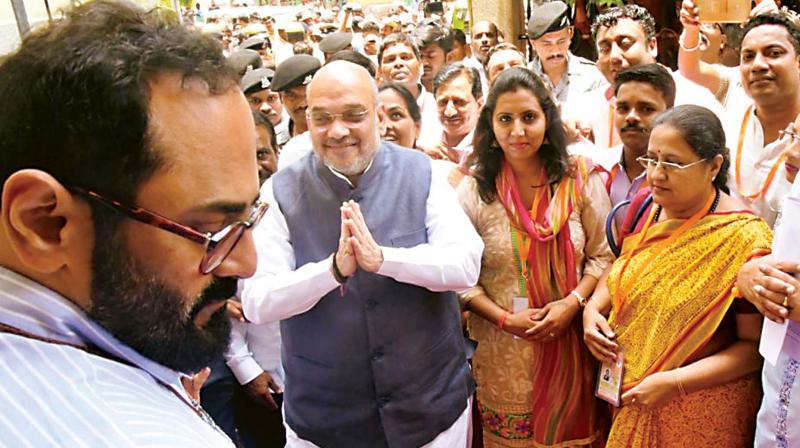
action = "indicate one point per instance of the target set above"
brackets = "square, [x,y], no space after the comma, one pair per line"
[609,381]
[518,304]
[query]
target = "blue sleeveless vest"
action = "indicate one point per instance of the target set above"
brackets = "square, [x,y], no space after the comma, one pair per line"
[383,365]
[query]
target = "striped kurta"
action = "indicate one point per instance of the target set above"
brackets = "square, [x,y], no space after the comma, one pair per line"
[56,394]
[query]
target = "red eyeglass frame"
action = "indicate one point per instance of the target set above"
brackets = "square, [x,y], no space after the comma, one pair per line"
[211,240]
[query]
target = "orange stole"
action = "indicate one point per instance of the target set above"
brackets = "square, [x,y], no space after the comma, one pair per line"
[564,409]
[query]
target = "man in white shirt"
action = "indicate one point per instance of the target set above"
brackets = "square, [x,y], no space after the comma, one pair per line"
[116,257]
[625,37]
[550,33]
[365,236]
[771,77]
[400,62]
[459,98]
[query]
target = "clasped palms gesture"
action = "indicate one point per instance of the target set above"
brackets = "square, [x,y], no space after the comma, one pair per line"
[357,248]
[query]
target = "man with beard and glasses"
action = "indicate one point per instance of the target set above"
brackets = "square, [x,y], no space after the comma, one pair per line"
[116,257]
[357,253]
[550,34]
[642,94]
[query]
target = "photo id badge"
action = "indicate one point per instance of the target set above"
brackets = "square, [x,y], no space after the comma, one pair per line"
[518,304]
[609,381]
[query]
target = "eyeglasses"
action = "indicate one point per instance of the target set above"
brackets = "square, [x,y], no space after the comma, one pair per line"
[669,167]
[322,118]
[218,244]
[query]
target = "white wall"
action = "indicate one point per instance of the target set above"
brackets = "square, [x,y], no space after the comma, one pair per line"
[37,15]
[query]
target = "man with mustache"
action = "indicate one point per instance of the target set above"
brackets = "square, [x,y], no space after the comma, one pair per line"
[291,79]
[642,93]
[770,72]
[459,98]
[550,34]
[357,251]
[255,85]
[625,37]
[111,244]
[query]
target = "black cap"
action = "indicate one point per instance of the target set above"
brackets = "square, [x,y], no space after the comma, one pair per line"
[294,71]
[335,42]
[244,60]
[253,43]
[256,80]
[547,18]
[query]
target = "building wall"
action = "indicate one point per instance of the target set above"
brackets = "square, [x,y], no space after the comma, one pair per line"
[508,15]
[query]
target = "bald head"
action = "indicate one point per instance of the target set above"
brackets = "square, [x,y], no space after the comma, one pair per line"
[343,117]
[345,75]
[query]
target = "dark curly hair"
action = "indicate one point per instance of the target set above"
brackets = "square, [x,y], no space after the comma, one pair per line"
[76,94]
[775,19]
[487,155]
[703,132]
[636,13]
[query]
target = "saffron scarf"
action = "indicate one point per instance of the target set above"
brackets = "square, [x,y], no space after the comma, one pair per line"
[564,412]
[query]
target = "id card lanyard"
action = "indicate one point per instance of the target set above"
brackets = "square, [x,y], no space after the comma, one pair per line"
[624,289]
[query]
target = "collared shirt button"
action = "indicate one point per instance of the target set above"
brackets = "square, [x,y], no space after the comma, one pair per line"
[376,355]
[370,304]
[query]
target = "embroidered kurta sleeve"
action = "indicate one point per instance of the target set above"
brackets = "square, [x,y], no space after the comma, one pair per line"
[470,203]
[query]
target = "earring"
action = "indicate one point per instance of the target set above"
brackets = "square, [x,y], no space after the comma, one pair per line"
[494,144]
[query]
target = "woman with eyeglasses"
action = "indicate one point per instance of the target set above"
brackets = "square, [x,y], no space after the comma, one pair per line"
[688,344]
[540,214]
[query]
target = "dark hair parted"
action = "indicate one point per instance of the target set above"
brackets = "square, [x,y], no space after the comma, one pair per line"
[76,94]
[653,74]
[434,34]
[488,155]
[703,132]
[636,13]
[452,71]
[775,19]
[355,58]
[398,39]
[408,99]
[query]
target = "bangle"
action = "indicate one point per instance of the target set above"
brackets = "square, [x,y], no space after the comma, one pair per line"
[683,45]
[502,320]
[581,299]
[681,390]
[337,274]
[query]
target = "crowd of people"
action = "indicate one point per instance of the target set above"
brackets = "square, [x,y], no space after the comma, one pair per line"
[442,240]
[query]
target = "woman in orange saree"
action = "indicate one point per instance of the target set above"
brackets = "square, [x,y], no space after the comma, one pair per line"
[689,348]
